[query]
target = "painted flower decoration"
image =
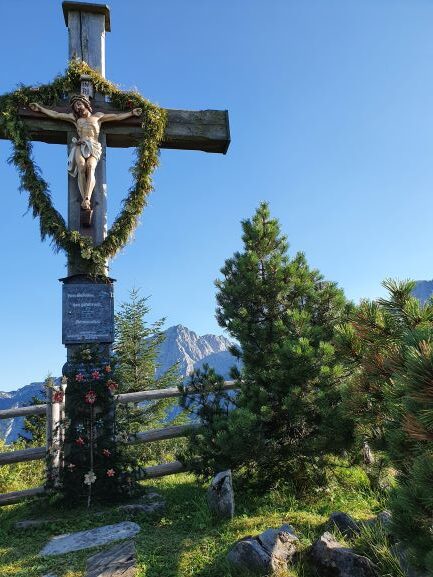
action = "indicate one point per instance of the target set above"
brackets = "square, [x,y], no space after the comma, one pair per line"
[71,466]
[112,386]
[89,478]
[111,473]
[95,375]
[106,453]
[107,369]
[58,396]
[79,428]
[79,377]
[99,424]
[79,441]
[90,397]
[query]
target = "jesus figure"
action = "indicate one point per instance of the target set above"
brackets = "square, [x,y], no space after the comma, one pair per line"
[86,150]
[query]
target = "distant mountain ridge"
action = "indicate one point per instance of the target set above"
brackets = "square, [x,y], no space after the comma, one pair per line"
[423,290]
[181,345]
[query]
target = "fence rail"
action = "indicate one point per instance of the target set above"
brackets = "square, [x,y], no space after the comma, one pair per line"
[123,399]
[54,413]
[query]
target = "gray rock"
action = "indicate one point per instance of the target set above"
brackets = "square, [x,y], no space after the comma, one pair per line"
[220,496]
[270,551]
[119,561]
[331,559]
[91,538]
[344,523]
[384,518]
[151,503]
[34,523]
[410,571]
[137,508]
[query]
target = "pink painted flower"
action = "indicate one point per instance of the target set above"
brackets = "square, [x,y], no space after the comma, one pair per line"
[106,453]
[107,369]
[58,396]
[90,397]
[111,473]
[95,375]
[112,386]
[79,441]
[79,377]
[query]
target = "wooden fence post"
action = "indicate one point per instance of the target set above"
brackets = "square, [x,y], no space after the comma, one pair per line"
[49,435]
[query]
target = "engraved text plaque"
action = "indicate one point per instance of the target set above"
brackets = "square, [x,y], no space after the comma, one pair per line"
[88,313]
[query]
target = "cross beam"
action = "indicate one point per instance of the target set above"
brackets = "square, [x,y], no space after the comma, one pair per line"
[206,130]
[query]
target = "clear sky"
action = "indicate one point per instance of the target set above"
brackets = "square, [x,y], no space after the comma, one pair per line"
[331,114]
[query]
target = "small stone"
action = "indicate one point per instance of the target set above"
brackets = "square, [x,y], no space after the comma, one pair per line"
[91,538]
[384,518]
[270,551]
[153,497]
[344,523]
[119,561]
[334,560]
[137,508]
[220,496]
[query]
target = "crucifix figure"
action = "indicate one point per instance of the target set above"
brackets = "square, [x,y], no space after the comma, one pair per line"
[86,150]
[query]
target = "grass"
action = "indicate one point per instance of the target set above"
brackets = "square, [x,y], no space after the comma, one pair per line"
[187,541]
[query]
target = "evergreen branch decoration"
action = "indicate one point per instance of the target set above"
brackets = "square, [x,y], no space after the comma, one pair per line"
[52,224]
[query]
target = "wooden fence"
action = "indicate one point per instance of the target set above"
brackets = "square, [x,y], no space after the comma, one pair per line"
[54,413]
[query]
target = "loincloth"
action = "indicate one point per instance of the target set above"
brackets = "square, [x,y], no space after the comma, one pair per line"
[88,148]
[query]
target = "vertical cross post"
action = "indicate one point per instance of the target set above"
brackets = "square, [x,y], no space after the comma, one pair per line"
[85,297]
[87,25]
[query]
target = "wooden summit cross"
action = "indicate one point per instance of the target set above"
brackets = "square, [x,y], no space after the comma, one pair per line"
[206,130]
[88,313]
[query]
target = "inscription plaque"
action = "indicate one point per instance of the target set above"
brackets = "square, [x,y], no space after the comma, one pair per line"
[88,313]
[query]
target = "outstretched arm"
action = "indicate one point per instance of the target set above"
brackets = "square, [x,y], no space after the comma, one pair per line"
[113,117]
[52,113]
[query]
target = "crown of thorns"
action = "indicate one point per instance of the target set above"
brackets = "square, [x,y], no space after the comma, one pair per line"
[80,98]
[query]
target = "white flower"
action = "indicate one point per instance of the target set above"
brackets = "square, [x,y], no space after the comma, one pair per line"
[89,478]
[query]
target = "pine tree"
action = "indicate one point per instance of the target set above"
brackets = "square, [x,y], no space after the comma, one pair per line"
[283,315]
[390,396]
[135,351]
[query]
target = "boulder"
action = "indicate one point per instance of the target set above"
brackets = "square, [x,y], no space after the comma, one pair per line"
[266,553]
[220,496]
[119,561]
[344,523]
[331,559]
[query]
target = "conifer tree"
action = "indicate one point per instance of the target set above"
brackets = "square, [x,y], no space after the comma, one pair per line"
[135,352]
[283,315]
[391,399]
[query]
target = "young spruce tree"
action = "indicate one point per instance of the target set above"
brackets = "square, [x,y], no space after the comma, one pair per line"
[136,350]
[283,315]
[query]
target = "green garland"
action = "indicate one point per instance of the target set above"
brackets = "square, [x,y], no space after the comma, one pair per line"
[52,224]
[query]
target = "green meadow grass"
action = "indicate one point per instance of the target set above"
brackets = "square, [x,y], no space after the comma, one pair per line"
[186,540]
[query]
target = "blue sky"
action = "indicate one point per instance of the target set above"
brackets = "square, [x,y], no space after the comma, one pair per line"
[331,113]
